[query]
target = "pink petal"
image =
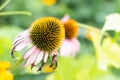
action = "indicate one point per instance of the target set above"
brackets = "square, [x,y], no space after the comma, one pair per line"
[27,39]
[65,18]
[29,52]
[69,51]
[18,41]
[32,58]
[46,57]
[64,51]
[22,35]
[29,60]
[70,47]
[26,64]
[75,47]
[54,53]
[74,51]
[77,44]
[39,57]
[21,45]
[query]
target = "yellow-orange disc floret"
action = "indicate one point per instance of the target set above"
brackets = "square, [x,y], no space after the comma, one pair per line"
[47,33]
[71,29]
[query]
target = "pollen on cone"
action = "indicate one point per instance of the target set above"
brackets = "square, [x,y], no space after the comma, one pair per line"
[47,69]
[47,33]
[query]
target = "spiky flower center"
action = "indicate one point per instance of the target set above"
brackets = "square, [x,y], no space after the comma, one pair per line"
[71,29]
[47,33]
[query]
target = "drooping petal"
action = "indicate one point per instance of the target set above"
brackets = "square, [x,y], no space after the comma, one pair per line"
[22,35]
[32,58]
[46,57]
[77,44]
[66,48]
[29,60]
[70,47]
[65,18]
[18,41]
[22,40]
[74,51]
[26,40]
[29,52]
[75,47]
[54,60]
[21,45]
[39,57]
[63,49]
[54,53]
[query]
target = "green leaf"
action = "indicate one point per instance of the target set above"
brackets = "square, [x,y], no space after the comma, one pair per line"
[7,36]
[112,52]
[73,69]
[112,22]
[107,53]
[31,77]
[116,37]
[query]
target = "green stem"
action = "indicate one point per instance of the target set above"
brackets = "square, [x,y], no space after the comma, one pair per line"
[17,64]
[4,4]
[15,12]
[93,28]
[116,36]
[101,32]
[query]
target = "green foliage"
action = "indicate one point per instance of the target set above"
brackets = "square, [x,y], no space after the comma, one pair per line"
[7,34]
[99,58]
[31,77]
[84,68]
[107,53]
[86,11]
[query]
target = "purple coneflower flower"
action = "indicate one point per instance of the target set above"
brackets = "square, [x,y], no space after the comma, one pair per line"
[71,44]
[46,35]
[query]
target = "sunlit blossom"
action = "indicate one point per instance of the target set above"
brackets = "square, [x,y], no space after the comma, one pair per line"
[46,35]
[49,2]
[5,74]
[71,44]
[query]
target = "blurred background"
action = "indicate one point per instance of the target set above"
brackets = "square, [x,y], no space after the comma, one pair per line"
[84,65]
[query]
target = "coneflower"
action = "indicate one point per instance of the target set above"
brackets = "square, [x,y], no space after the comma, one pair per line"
[46,35]
[71,44]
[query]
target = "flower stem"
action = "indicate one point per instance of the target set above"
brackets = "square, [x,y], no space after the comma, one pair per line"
[4,4]
[15,12]
[17,64]
[93,28]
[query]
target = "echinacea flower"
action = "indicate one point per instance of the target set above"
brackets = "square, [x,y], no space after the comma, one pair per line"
[5,74]
[71,44]
[46,35]
[49,2]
